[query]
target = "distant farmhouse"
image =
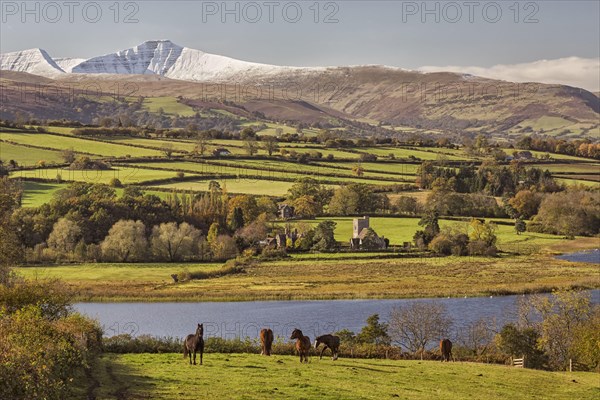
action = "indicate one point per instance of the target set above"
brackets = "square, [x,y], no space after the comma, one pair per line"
[363,237]
[221,152]
[281,240]
[285,211]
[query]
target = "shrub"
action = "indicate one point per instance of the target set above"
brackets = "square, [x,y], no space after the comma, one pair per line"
[115,182]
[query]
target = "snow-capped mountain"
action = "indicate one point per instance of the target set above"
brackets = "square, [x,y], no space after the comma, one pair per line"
[67,64]
[156,57]
[33,61]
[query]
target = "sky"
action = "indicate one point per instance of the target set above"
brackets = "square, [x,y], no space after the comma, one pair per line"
[543,41]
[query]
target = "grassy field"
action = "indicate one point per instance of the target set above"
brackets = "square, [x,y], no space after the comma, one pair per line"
[169,105]
[78,144]
[27,156]
[399,230]
[310,279]
[238,186]
[36,193]
[125,174]
[238,168]
[250,376]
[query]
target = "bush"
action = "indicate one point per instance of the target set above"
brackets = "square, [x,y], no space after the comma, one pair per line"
[115,182]
[522,342]
[44,347]
[481,248]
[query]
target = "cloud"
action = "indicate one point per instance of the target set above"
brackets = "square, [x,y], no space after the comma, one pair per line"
[572,71]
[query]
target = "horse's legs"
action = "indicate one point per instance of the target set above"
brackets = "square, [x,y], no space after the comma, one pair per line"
[190,354]
[201,353]
[322,351]
[194,356]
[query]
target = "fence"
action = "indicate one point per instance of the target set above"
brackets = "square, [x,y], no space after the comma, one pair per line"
[518,362]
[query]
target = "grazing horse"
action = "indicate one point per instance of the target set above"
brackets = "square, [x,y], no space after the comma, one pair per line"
[194,343]
[302,344]
[266,340]
[331,342]
[446,349]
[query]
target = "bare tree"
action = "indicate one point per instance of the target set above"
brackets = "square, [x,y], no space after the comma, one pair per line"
[270,145]
[417,324]
[201,146]
[251,147]
[167,148]
[478,336]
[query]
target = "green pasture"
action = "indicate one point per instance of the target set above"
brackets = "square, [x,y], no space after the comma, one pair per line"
[78,144]
[238,186]
[251,376]
[169,105]
[27,156]
[126,175]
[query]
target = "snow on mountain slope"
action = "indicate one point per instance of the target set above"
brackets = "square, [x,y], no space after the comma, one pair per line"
[152,57]
[33,61]
[67,64]
[196,65]
[155,57]
[163,57]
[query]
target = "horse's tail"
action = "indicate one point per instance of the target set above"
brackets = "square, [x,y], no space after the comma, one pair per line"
[185,350]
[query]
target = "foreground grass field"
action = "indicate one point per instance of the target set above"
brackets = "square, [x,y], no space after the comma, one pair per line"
[312,279]
[250,376]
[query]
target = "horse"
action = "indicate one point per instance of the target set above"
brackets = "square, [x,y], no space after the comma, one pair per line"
[194,343]
[302,344]
[331,342]
[446,349]
[266,340]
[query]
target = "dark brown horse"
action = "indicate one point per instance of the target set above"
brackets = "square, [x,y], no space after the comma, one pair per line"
[446,349]
[266,340]
[329,342]
[194,343]
[302,344]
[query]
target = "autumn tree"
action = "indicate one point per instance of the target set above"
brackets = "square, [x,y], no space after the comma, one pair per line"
[306,206]
[64,236]
[126,241]
[68,155]
[358,170]
[407,205]
[570,213]
[526,203]
[172,242]
[10,247]
[247,204]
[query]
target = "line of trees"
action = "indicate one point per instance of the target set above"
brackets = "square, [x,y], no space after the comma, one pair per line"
[549,331]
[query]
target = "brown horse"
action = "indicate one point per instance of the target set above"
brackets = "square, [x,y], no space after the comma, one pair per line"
[331,342]
[194,343]
[302,344]
[266,340]
[446,349]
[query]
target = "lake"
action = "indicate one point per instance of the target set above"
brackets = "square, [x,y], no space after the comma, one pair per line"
[245,319]
[587,256]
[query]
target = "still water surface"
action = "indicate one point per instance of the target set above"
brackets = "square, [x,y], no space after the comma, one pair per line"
[244,319]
